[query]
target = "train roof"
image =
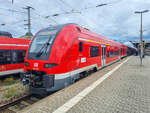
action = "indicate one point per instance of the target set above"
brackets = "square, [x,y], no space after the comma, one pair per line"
[87,32]
[130,45]
[6,40]
[98,36]
[5,34]
[14,43]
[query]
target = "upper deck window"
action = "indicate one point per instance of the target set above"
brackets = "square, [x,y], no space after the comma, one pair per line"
[80,46]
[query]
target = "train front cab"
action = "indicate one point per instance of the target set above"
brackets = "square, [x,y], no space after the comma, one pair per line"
[56,65]
[46,63]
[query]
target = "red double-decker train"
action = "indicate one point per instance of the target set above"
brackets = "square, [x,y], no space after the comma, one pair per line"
[59,54]
[12,53]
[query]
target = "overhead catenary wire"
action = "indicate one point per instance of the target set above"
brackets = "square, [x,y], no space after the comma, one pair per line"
[12,10]
[43,17]
[38,14]
[46,17]
[56,14]
[60,4]
[72,11]
[15,22]
[65,3]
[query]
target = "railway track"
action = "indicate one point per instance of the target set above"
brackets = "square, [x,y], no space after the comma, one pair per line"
[19,104]
[27,100]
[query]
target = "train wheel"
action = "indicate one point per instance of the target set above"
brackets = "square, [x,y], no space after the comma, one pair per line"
[95,69]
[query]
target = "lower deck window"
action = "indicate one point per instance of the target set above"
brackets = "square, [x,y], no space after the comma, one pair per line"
[5,57]
[18,56]
[11,56]
[94,51]
[112,54]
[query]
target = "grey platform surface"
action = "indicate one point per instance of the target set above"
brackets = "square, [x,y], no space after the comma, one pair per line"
[126,91]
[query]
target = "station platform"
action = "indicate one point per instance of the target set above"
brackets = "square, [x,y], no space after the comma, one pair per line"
[123,87]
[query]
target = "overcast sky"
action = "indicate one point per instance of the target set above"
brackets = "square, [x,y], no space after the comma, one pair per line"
[115,20]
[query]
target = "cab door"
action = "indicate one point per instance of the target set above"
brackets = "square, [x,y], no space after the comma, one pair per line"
[73,56]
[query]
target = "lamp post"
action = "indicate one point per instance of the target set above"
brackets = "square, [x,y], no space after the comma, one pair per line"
[141,33]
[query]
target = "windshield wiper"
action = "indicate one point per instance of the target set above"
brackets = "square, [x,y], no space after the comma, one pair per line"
[40,51]
[45,45]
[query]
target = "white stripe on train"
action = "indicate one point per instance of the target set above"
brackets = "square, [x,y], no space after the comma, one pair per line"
[10,72]
[71,73]
[12,45]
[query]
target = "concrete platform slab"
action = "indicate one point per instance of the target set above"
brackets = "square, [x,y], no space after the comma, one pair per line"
[126,90]
[54,101]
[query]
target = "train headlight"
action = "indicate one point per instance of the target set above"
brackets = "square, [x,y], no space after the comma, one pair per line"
[26,64]
[48,65]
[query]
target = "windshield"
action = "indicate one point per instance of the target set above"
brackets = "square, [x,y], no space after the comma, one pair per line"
[41,45]
[40,40]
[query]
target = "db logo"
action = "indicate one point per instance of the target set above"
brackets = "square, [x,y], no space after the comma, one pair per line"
[35,64]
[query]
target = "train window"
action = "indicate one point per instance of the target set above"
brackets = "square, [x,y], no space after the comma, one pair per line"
[5,34]
[122,51]
[21,55]
[18,56]
[94,51]
[5,57]
[14,56]
[111,53]
[104,52]
[80,46]
[115,53]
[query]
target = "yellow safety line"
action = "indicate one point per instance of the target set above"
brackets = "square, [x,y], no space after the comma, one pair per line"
[98,42]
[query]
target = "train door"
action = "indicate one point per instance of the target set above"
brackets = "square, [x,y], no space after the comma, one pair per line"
[82,53]
[73,56]
[103,53]
[119,53]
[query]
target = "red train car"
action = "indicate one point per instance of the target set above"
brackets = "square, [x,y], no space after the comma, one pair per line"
[12,53]
[59,54]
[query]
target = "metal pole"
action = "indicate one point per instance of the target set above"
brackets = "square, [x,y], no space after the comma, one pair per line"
[141,35]
[29,20]
[141,54]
